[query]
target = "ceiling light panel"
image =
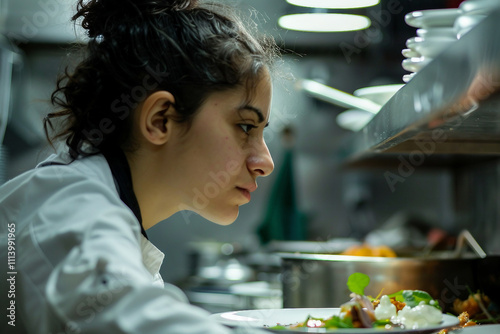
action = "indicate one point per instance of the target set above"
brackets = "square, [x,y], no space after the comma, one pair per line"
[334,4]
[324,22]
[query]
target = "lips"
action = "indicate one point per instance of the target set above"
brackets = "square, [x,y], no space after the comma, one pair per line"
[247,189]
[245,193]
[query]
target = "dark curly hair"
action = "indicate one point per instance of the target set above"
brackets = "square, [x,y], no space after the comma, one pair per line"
[137,47]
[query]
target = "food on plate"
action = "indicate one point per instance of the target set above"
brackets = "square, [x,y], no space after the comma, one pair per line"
[472,305]
[405,309]
[397,304]
[464,322]
[477,309]
[368,250]
[409,309]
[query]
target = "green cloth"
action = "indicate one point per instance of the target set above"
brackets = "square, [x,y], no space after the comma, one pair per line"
[283,220]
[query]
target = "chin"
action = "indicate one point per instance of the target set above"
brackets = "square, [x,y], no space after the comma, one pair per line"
[220,217]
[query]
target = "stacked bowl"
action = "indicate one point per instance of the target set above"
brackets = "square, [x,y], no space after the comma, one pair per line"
[473,12]
[435,32]
[438,28]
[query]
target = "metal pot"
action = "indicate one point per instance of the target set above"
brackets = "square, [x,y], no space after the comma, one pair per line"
[319,280]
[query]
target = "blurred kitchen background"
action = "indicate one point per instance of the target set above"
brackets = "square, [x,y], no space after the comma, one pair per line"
[335,202]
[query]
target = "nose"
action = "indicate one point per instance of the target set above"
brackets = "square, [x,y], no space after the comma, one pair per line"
[260,162]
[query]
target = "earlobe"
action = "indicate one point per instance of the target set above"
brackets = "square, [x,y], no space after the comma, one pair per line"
[155,117]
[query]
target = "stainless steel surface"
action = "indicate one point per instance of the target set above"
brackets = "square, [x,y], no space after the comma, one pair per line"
[317,280]
[257,295]
[217,264]
[477,192]
[448,113]
[213,302]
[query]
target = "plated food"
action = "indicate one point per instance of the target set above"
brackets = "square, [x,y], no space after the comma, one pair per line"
[268,318]
[408,309]
[400,312]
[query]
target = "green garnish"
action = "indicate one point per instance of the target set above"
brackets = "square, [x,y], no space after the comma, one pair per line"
[337,322]
[413,298]
[278,327]
[357,282]
[382,323]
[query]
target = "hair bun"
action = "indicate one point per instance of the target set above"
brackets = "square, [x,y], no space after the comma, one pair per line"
[181,4]
[98,16]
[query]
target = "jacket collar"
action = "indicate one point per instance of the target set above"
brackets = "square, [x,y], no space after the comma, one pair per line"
[123,179]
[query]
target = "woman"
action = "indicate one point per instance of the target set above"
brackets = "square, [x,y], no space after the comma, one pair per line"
[165,113]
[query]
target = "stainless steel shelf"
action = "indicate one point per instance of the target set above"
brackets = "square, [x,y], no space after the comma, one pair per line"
[448,114]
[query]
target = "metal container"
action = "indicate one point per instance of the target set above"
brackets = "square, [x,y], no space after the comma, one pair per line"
[319,280]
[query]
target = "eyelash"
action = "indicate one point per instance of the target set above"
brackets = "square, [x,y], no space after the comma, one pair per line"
[249,127]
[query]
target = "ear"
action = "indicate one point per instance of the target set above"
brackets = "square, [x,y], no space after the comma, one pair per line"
[155,117]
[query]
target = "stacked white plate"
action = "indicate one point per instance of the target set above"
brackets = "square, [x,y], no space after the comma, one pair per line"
[473,12]
[438,28]
[435,32]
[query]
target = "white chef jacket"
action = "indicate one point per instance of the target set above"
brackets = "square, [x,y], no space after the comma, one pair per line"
[81,264]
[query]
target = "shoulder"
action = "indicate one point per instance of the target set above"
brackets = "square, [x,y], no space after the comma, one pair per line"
[55,193]
[61,165]
[56,176]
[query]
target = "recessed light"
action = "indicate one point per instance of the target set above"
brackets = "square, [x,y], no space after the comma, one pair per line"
[324,22]
[334,4]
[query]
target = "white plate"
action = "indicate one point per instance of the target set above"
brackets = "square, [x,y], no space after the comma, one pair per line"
[415,64]
[479,6]
[466,22]
[408,77]
[447,32]
[432,18]
[271,317]
[431,46]
[481,329]
[354,119]
[378,94]
[409,53]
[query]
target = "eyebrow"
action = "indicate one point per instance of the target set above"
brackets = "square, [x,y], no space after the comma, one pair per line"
[255,110]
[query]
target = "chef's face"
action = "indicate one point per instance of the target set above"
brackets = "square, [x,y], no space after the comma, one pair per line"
[223,152]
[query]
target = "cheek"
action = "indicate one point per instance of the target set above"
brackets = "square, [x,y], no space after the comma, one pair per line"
[227,157]
[216,150]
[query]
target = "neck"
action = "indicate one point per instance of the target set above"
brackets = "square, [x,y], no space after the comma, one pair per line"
[154,198]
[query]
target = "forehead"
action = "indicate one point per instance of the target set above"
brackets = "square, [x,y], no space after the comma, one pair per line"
[256,94]
[260,91]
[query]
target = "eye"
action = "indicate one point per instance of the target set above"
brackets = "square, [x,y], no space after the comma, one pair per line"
[247,127]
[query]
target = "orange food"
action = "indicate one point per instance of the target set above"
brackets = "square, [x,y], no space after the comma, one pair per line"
[464,322]
[399,305]
[470,305]
[383,251]
[367,250]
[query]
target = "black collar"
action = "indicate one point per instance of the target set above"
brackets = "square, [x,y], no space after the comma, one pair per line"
[121,173]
